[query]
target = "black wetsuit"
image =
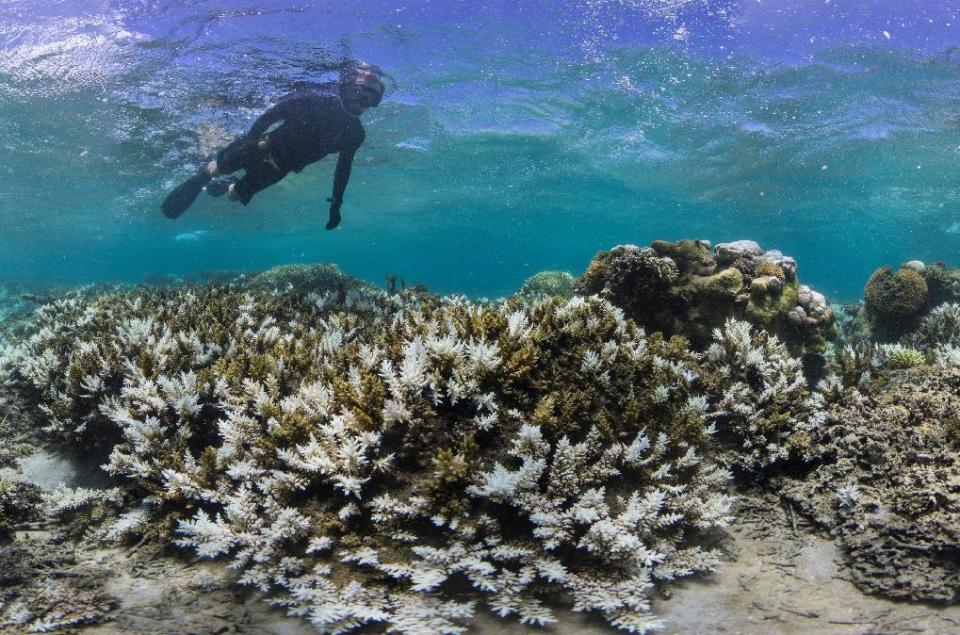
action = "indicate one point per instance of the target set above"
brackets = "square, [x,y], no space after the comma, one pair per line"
[312,124]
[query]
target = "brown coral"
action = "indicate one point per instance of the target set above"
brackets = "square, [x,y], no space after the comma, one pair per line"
[894,302]
[681,288]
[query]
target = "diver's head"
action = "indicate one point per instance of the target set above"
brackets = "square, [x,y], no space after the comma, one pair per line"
[361,87]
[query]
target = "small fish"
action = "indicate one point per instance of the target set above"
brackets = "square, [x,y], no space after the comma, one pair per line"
[194,236]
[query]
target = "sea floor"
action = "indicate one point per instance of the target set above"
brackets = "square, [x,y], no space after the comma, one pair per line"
[780,576]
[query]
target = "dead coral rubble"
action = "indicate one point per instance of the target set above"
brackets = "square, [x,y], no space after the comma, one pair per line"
[891,494]
[685,288]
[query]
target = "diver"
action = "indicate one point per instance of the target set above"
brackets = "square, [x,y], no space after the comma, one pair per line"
[303,127]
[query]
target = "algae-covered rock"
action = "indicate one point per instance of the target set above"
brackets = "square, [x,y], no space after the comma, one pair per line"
[548,284]
[682,288]
[894,301]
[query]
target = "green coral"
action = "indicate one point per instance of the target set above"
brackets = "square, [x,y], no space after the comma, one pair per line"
[548,283]
[905,358]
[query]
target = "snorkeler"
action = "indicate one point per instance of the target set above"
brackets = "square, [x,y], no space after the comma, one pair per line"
[303,127]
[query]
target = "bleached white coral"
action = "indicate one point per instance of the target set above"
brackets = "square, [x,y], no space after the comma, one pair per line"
[760,381]
[847,495]
[352,464]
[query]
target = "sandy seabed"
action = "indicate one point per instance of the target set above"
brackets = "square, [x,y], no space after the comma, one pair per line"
[780,575]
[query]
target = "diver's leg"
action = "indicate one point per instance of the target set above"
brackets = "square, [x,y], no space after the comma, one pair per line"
[220,186]
[241,153]
[183,196]
[257,178]
[237,156]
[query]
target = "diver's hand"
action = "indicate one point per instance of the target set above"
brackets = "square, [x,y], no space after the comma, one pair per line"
[334,213]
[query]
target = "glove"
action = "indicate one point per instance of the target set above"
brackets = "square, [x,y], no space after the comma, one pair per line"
[334,213]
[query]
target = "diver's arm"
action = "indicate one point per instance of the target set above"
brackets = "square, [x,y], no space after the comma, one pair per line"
[341,175]
[340,179]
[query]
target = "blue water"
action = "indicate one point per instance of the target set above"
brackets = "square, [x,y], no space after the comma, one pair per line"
[516,136]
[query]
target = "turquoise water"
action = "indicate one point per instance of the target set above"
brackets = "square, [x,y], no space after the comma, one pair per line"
[515,137]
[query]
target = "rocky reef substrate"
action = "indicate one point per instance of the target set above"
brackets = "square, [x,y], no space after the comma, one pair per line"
[394,459]
[686,288]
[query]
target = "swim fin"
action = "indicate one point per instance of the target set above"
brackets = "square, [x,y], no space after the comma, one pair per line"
[180,199]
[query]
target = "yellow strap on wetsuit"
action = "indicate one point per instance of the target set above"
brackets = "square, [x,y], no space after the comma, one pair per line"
[264,145]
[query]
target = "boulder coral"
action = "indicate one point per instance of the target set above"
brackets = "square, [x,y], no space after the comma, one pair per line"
[320,278]
[547,284]
[894,302]
[688,289]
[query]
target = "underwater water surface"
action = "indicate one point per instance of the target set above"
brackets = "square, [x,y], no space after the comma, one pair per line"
[515,136]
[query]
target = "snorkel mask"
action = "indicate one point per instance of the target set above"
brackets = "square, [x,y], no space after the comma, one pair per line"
[361,88]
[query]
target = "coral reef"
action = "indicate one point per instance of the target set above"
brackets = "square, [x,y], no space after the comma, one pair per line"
[890,493]
[897,357]
[765,404]
[34,603]
[939,332]
[684,288]
[38,593]
[18,503]
[894,303]
[360,456]
[548,284]
[396,459]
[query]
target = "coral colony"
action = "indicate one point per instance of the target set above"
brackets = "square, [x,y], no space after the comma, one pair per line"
[403,459]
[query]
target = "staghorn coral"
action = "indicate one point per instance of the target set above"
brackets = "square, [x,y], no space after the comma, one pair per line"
[548,283]
[765,406]
[358,456]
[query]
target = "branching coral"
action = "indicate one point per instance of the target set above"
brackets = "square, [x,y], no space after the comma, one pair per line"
[940,329]
[765,405]
[361,456]
[897,357]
